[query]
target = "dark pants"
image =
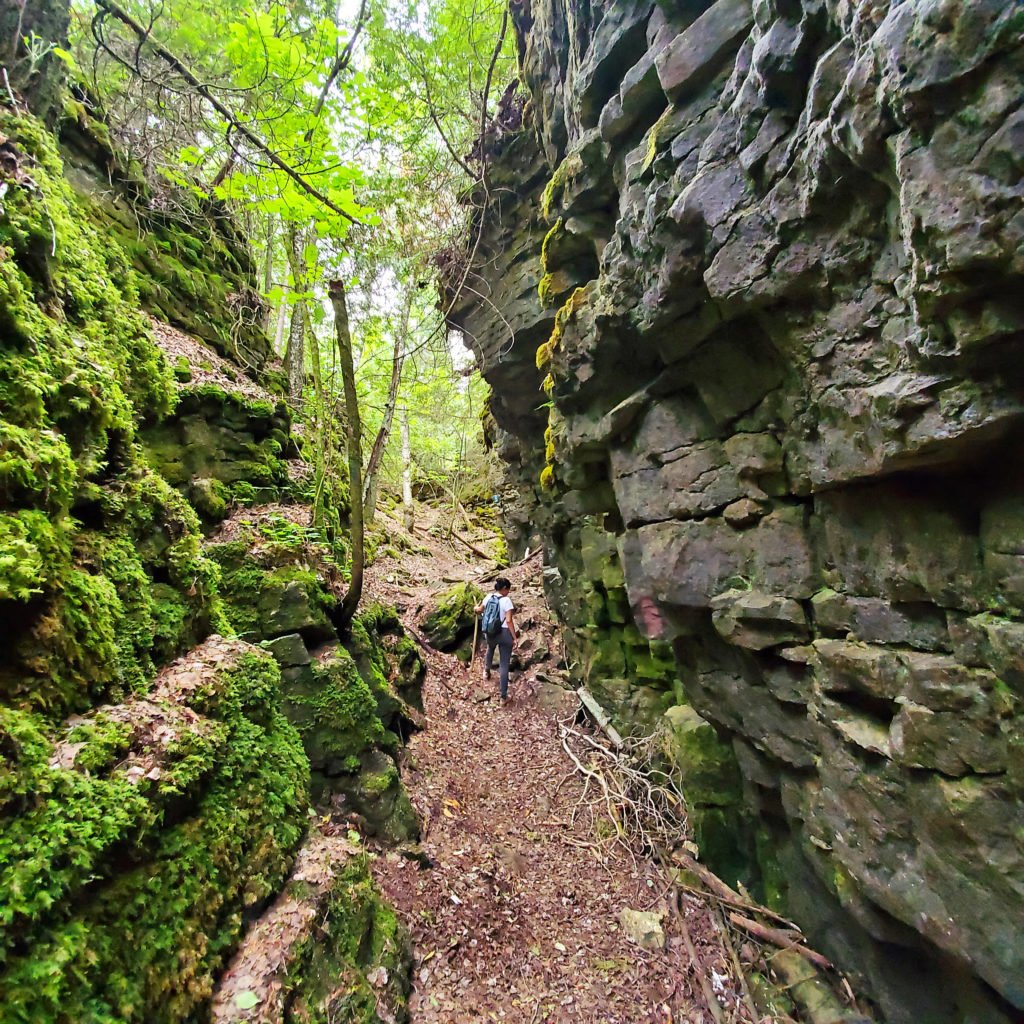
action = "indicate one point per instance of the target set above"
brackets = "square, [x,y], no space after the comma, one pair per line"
[503,641]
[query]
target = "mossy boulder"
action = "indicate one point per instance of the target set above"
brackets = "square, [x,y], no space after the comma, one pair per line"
[374,791]
[312,955]
[409,668]
[450,618]
[218,445]
[334,710]
[133,847]
[337,713]
[269,591]
[390,663]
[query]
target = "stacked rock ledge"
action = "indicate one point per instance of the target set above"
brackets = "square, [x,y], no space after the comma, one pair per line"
[780,489]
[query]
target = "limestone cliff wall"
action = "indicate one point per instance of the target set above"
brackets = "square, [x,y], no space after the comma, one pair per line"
[155,777]
[765,261]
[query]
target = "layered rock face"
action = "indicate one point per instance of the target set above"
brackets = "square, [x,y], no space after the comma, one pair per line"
[780,480]
[155,776]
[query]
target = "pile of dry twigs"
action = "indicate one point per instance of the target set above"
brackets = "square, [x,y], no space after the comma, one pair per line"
[640,793]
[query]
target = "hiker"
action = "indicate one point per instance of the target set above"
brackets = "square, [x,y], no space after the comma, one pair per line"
[499,630]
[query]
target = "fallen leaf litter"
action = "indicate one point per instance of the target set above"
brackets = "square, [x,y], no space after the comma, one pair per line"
[517,916]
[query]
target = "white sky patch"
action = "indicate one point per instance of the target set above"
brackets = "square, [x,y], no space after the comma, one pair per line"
[461,355]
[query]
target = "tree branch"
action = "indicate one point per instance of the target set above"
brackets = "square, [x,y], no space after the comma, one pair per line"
[487,87]
[342,62]
[203,90]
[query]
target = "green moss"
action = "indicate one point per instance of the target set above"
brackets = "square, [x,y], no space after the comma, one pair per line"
[182,370]
[390,664]
[191,267]
[546,351]
[253,408]
[119,915]
[568,168]
[545,290]
[210,498]
[77,372]
[342,711]
[544,355]
[29,544]
[545,249]
[774,882]
[269,601]
[106,742]
[361,934]
[451,620]
[379,783]
[243,493]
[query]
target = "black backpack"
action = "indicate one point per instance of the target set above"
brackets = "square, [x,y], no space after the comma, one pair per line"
[491,621]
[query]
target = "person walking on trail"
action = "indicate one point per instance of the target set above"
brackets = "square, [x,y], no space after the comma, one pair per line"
[499,630]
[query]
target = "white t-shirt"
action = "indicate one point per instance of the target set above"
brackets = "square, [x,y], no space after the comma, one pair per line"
[505,606]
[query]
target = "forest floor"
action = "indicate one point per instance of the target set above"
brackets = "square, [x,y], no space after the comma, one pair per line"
[517,916]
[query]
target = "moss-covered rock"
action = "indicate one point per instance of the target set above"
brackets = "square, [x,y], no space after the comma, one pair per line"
[141,834]
[705,766]
[193,266]
[271,590]
[134,846]
[373,791]
[88,530]
[291,969]
[389,661]
[334,710]
[220,448]
[449,621]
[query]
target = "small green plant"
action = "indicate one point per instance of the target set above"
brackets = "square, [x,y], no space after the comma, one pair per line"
[37,49]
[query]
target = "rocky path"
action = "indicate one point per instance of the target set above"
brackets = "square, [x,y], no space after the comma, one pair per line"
[515,909]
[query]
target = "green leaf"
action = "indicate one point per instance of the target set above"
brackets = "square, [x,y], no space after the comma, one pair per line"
[61,54]
[247,999]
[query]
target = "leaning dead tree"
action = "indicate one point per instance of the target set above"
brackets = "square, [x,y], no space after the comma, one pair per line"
[353,444]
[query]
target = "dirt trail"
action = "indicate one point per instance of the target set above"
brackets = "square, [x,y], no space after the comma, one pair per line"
[516,918]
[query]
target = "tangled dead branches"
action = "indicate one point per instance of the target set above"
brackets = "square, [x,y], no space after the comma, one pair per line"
[643,797]
[644,801]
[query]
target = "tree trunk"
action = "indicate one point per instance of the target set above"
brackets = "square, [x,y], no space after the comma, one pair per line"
[353,430]
[279,330]
[380,442]
[407,506]
[324,448]
[295,354]
[268,272]
[39,81]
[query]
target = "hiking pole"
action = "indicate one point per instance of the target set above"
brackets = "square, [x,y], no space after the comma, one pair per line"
[476,626]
